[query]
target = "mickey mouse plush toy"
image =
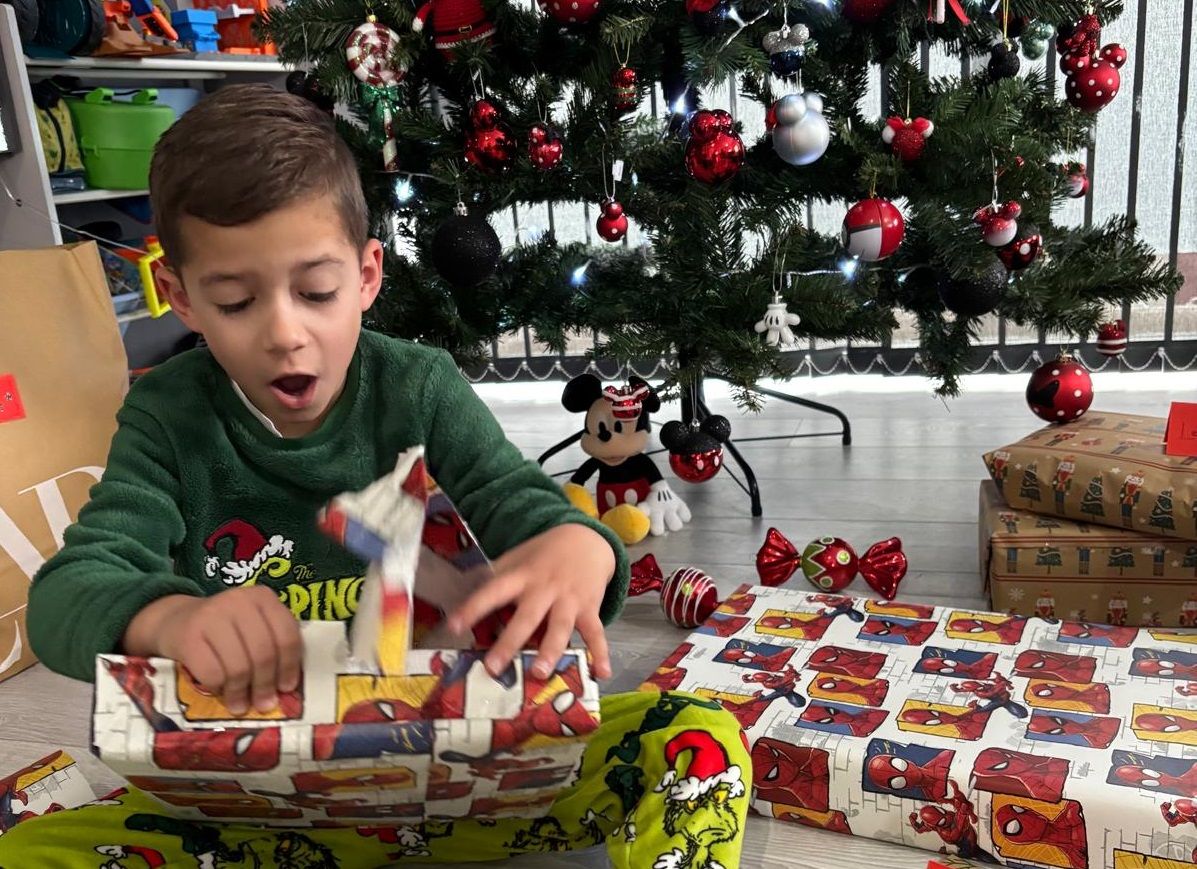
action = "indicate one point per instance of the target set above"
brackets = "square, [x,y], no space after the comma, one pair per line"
[632,499]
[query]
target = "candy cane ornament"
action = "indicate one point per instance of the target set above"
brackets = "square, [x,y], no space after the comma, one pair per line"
[369,52]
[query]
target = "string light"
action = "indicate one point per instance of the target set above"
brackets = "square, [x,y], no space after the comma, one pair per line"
[849,267]
[579,274]
[403,190]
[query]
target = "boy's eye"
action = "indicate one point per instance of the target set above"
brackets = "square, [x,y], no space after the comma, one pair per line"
[320,298]
[235,307]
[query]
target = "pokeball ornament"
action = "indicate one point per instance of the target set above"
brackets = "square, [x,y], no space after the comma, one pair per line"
[873,229]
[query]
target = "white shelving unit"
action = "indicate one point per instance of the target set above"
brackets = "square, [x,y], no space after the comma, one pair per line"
[30,217]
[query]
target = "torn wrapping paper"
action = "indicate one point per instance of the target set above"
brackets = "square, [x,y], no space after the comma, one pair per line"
[1049,566]
[445,741]
[51,784]
[1027,742]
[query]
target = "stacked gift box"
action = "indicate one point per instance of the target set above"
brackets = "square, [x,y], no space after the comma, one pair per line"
[1092,521]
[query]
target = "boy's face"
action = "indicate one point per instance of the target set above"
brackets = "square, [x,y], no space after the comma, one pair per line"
[279,302]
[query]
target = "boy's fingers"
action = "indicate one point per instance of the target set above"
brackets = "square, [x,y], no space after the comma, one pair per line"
[204,666]
[556,638]
[502,589]
[591,628]
[225,641]
[289,643]
[527,617]
[256,634]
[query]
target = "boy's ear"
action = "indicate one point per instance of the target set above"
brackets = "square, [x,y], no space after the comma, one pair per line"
[180,302]
[371,273]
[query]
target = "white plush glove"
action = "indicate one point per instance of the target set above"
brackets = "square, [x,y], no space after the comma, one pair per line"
[664,509]
[776,324]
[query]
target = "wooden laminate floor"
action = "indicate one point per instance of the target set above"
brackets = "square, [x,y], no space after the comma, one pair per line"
[913,470]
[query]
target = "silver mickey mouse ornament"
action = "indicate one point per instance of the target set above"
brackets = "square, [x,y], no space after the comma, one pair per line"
[801,135]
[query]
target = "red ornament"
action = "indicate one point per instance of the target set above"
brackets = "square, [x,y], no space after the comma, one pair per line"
[688,597]
[490,144]
[612,223]
[884,566]
[771,117]
[1112,338]
[873,229]
[1060,390]
[864,11]
[1092,82]
[829,563]
[646,576]
[714,153]
[623,80]
[999,223]
[570,11]
[1078,180]
[1023,251]
[1083,37]
[544,146]
[697,467]
[907,138]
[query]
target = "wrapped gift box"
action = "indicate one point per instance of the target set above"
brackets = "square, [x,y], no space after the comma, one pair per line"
[1047,566]
[1028,742]
[446,741]
[1106,469]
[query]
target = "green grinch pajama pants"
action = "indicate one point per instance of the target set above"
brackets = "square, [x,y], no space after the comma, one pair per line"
[665,782]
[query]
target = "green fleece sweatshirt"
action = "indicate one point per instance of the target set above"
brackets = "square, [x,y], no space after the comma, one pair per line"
[200,496]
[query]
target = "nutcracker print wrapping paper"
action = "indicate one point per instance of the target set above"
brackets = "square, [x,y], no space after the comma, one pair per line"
[1025,742]
[1105,468]
[349,747]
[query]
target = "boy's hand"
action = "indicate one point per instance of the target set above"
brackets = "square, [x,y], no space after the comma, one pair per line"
[558,578]
[241,644]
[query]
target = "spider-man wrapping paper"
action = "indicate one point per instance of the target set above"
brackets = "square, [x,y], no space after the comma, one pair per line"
[447,740]
[1026,742]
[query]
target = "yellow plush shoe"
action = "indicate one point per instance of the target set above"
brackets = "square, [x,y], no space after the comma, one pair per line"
[581,499]
[629,522]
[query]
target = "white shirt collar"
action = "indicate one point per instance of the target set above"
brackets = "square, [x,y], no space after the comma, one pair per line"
[261,417]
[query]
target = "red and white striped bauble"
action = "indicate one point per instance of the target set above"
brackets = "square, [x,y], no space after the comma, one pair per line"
[1112,338]
[688,597]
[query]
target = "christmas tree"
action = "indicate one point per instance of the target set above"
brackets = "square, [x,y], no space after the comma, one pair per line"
[479,105]
[1091,501]
[1161,512]
[1029,487]
[1121,558]
[1049,557]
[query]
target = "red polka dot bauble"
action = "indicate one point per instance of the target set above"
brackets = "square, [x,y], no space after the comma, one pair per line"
[688,597]
[1060,390]
[864,11]
[570,11]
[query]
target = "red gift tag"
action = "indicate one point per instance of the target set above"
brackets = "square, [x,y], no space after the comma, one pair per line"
[11,408]
[1181,436]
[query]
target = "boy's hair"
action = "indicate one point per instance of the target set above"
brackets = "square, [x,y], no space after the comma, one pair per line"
[244,152]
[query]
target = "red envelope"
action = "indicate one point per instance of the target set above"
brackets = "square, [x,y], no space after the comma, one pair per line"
[11,408]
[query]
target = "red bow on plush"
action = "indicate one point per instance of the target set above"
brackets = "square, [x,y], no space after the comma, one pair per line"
[777,559]
[883,566]
[646,576]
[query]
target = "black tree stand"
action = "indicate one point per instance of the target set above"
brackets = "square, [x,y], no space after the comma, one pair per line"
[694,409]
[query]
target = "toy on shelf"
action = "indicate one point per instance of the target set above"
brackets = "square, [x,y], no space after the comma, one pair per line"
[121,39]
[197,29]
[235,25]
[632,497]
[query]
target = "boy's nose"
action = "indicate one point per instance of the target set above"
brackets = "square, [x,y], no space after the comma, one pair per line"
[284,332]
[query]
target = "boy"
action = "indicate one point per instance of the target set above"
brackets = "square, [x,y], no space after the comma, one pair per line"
[199,543]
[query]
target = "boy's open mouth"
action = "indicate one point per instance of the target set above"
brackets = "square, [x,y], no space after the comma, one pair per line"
[295,390]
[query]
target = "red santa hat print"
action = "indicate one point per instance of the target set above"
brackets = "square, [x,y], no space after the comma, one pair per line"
[250,550]
[708,768]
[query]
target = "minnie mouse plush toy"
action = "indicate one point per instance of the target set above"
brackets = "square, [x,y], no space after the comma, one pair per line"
[633,499]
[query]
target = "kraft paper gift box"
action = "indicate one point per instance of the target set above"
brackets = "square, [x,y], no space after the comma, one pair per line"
[1027,742]
[1105,469]
[350,747]
[442,740]
[1048,566]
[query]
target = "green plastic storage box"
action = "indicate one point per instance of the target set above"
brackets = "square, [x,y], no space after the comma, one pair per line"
[117,138]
